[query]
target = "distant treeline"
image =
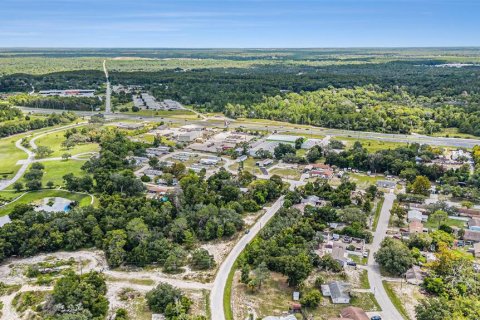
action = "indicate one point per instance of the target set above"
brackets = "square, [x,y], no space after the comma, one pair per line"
[59,103]
[365,109]
[28,124]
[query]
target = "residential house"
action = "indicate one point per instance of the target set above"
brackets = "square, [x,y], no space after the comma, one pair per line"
[311,200]
[415,226]
[471,236]
[416,215]
[474,224]
[338,253]
[158,151]
[153,173]
[338,291]
[324,174]
[386,184]
[209,162]
[264,163]
[354,313]
[469,212]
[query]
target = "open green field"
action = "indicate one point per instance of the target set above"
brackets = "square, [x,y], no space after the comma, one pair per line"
[431,224]
[82,199]
[55,170]
[364,181]
[9,155]
[370,145]
[248,165]
[453,133]
[54,141]
[292,174]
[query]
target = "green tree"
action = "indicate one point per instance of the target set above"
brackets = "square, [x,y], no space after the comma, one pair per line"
[66,156]
[394,257]
[18,186]
[439,217]
[311,299]
[114,247]
[161,296]
[202,259]
[421,185]
[42,151]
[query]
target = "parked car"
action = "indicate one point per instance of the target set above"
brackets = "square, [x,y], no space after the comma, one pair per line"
[351,263]
[376,318]
[365,254]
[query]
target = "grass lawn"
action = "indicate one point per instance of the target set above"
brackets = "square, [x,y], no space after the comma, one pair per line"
[358,259]
[453,133]
[364,284]
[292,174]
[54,141]
[82,199]
[395,300]
[370,145]
[9,155]
[275,297]
[378,209]
[55,170]
[431,224]
[363,181]
[248,165]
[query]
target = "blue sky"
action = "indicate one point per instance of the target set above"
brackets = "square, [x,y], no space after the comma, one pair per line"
[239,23]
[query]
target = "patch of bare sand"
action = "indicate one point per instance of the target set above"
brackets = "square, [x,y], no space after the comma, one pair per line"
[409,295]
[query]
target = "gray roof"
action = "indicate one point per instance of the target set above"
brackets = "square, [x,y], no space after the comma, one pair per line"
[339,290]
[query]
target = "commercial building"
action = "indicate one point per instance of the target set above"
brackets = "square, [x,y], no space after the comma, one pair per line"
[130,126]
[189,136]
[68,93]
[283,138]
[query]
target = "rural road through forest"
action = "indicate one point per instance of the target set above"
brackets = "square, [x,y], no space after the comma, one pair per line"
[218,289]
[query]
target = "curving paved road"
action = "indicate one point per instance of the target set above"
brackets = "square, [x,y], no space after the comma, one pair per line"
[218,289]
[389,311]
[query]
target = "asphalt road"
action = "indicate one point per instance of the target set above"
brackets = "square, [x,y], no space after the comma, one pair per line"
[300,129]
[218,289]
[389,312]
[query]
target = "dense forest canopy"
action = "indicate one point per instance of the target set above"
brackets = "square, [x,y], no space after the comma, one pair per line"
[433,88]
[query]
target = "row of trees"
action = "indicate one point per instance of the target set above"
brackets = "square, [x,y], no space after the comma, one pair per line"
[10,128]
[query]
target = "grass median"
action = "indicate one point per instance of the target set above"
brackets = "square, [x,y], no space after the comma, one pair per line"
[395,300]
